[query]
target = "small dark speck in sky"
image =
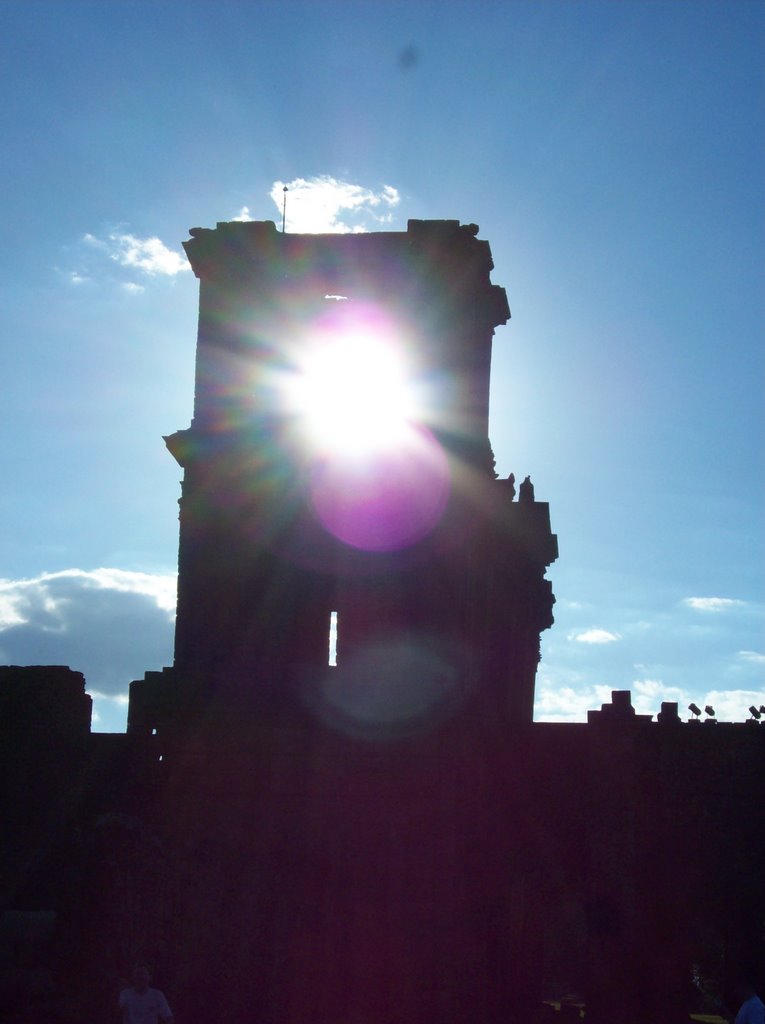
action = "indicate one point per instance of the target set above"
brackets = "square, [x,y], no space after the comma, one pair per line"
[409,57]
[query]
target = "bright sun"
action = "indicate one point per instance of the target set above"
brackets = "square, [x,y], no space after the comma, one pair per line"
[351,391]
[379,480]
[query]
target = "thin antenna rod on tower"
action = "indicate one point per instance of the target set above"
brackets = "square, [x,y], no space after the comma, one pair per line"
[284,208]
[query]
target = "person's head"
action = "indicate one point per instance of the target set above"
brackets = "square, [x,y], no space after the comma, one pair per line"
[141,977]
[743,990]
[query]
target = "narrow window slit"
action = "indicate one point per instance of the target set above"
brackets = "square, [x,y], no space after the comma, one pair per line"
[332,659]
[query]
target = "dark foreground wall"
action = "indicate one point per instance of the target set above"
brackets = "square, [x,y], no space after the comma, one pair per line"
[283,868]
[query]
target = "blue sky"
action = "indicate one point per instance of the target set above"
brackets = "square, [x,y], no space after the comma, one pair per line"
[612,154]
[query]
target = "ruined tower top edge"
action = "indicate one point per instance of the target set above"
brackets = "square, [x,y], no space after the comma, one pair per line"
[234,248]
[443,227]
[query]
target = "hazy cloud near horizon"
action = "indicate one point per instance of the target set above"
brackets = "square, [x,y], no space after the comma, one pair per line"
[111,624]
[571,703]
[114,625]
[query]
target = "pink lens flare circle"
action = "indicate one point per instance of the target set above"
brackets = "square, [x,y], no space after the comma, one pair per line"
[388,500]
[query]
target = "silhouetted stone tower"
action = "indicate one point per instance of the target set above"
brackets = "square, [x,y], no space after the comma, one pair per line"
[363,803]
[447,580]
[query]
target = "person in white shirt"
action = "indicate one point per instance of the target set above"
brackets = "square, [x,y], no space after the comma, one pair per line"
[141,1004]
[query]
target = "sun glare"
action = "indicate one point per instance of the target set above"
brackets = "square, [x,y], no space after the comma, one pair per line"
[379,480]
[351,390]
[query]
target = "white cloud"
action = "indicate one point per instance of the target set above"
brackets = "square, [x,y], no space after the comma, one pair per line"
[733,705]
[149,255]
[752,656]
[595,636]
[21,599]
[657,689]
[10,612]
[243,215]
[133,288]
[325,205]
[566,704]
[649,694]
[712,604]
[161,588]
